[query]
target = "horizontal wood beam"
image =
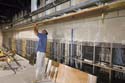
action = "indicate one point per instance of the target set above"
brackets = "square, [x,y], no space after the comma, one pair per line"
[98,10]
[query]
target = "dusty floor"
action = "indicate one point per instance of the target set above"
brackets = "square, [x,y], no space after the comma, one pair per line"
[24,74]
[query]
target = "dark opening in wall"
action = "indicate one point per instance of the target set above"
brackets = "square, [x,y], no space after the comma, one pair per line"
[38,3]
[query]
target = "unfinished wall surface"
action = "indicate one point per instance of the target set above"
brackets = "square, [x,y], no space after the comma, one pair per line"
[94,29]
[75,2]
[7,37]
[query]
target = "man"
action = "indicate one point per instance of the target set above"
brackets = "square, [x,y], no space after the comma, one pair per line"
[41,50]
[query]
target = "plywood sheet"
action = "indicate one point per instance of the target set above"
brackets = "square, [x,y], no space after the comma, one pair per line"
[70,75]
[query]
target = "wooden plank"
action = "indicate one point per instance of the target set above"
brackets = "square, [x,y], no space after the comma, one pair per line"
[85,13]
[24,48]
[11,67]
[70,75]
[48,49]
[13,44]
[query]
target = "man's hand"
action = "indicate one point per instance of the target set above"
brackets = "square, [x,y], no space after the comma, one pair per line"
[35,29]
[35,25]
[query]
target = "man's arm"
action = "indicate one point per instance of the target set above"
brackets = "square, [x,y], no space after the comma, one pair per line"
[35,29]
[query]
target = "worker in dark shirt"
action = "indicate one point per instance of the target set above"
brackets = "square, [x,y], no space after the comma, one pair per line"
[41,50]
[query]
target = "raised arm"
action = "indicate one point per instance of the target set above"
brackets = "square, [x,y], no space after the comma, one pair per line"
[35,30]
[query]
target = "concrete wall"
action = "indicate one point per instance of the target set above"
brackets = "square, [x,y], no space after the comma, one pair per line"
[7,37]
[111,29]
[75,2]
[63,6]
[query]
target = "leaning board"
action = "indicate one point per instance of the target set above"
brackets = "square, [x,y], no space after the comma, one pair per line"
[67,74]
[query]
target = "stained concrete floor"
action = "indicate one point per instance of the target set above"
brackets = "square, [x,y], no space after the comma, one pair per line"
[24,74]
